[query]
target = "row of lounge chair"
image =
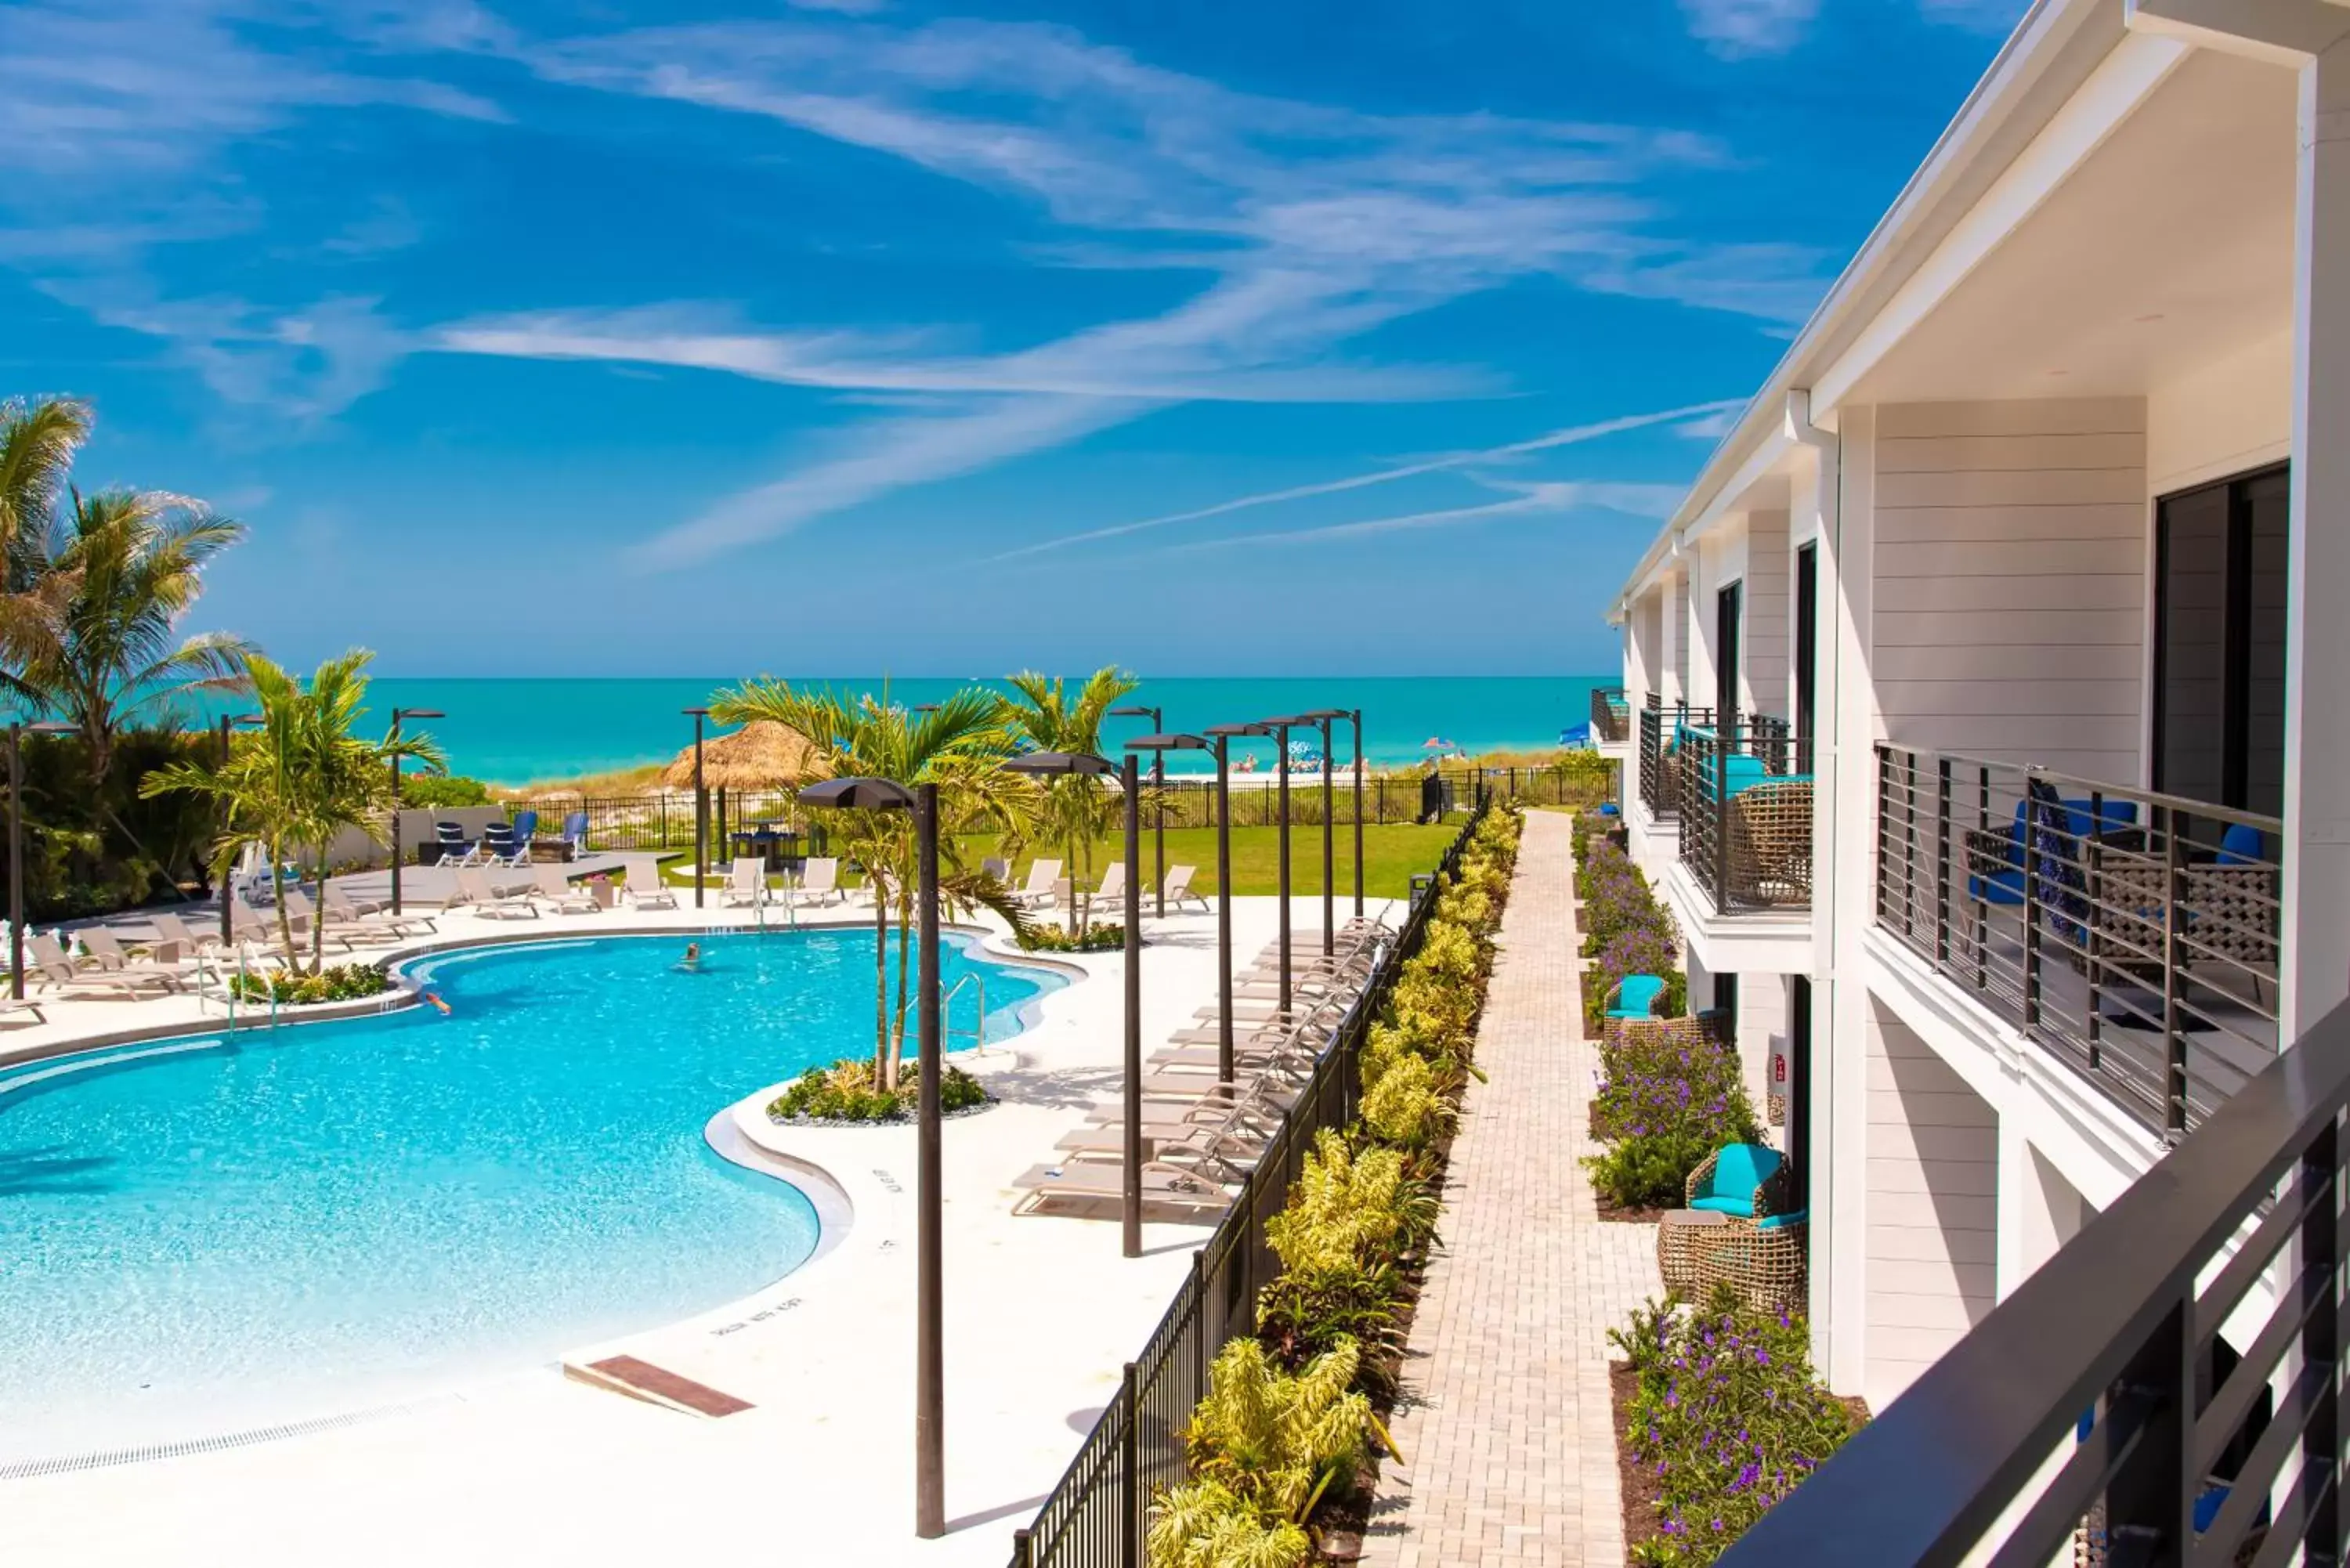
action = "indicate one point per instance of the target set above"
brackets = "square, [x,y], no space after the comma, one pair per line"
[1204,1133]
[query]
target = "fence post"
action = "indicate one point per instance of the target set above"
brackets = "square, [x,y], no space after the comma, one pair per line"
[1942,865]
[2174,957]
[2320,1335]
[1023,1552]
[2148,1503]
[2031,914]
[1129,1472]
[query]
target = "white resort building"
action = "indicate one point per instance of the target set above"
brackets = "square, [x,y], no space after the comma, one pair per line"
[1979,721]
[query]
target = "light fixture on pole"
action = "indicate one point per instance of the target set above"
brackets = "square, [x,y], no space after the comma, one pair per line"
[701,807]
[396,715]
[929,1288]
[229,721]
[16,731]
[1223,735]
[1280,729]
[1357,717]
[1323,716]
[1157,786]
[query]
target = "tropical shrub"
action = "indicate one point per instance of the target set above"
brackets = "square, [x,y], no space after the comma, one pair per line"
[846,1092]
[1670,1098]
[341,983]
[1101,937]
[1353,1216]
[441,792]
[1262,1450]
[1405,1107]
[1732,1418]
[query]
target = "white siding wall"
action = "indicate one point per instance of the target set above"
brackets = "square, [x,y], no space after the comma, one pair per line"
[1770,615]
[1677,609]
[2227,417]
[2009,593]
[1932,1207]
[1762,1012]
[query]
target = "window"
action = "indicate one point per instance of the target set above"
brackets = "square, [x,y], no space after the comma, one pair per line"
[2219,648]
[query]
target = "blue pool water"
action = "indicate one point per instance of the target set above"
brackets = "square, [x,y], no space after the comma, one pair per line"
[321,1218]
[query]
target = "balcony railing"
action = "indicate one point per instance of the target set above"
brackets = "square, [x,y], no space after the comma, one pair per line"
[2133,934]
[1661,733]
[1745,799]
[1611,716]
[2176,1446]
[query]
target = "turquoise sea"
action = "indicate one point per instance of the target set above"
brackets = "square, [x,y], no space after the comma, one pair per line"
[512,731]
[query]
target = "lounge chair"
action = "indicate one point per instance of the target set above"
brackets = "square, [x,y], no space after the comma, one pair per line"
[164,961]
[998,868]
[1113,883]
[1168,1186]
[646,889]
[361,916]
[575,835]
[298,905]
[820,879]
[746,881]
[170,928]
[517,847]
[1177,888]
[1224,1152]
[473,886]
[569,897]
[1039,890]
[60,972]
[456,849]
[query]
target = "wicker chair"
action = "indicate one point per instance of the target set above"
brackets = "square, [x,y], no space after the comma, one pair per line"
[1763,1259]
[1770,845]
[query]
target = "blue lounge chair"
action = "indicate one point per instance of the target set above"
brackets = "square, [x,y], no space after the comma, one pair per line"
[1730,1179]
[515,850]
[575,833]
[1635,996]
[1995,874]
[456,849]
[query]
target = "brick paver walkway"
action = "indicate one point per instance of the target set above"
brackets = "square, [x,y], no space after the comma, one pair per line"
[1508,1442]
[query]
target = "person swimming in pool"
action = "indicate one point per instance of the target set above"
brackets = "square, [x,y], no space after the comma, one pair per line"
[433,997]
[692,962]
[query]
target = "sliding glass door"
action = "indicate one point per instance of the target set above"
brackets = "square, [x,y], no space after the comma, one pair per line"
[2220,567]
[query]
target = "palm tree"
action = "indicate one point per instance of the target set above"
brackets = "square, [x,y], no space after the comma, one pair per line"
[301,777]
[960,746]
[88,629]
[38,442]
[1078,808]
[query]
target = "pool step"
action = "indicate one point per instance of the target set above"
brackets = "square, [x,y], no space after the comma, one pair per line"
[653,1385]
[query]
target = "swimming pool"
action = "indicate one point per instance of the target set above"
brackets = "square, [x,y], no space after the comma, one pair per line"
[206,1234]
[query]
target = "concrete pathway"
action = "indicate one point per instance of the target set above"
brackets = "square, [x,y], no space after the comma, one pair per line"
[1508,1440]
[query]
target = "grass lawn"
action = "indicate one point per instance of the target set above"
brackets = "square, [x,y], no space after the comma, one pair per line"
[1391,854]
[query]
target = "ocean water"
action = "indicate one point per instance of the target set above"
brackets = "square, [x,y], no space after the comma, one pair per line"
[512,731]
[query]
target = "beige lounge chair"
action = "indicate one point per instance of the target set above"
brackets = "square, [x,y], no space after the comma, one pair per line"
[108,955]
[473,886]
[645,887]
[1113,883]
[1177,888]
[1164,1185]
[746,881]
[170,928]
[820,879]
[1039,890]
[298,905]
[60,972]
[569,897]
[364,917]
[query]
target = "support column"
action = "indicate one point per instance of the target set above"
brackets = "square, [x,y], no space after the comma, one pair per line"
[2317,961]
[1671,631]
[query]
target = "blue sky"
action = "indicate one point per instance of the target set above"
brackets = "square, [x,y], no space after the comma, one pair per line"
[851,334]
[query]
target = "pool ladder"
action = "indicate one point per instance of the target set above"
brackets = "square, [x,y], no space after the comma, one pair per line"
[948,1033]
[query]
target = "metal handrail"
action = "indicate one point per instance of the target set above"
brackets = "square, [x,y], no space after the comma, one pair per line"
[978,1031]
[2114,1326]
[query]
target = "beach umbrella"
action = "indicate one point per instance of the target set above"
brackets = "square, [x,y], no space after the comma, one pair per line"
[762,755]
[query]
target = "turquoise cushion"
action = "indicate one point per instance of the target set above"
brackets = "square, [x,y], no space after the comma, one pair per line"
[1742,1207]
[1781,1221]
[1742,774]
[1737,1171]
[1637,997]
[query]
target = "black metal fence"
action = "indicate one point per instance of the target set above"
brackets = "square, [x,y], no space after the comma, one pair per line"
[2134,934]
[1661,733]
[666,821]
[1611,716]
[1096,1516]
[1746,810]
[2116,1408]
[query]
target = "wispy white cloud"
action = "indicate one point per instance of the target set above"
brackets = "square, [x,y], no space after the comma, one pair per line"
[1540,498]
[1738,30]
[1713,426]
[1569,436]
[876,459]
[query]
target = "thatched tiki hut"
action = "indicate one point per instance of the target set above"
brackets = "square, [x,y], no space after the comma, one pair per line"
[761,755]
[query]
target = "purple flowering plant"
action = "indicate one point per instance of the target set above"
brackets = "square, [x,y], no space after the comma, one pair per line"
[1728,1414]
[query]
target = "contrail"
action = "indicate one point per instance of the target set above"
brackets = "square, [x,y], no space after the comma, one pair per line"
[1567,437]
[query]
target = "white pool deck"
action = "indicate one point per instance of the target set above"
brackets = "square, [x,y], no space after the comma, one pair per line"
[534,1469]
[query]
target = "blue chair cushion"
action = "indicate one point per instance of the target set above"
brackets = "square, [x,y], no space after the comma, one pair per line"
[1738,1169]
[1742,773]
[1781,1221]
[1637,996]
[2240,846]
